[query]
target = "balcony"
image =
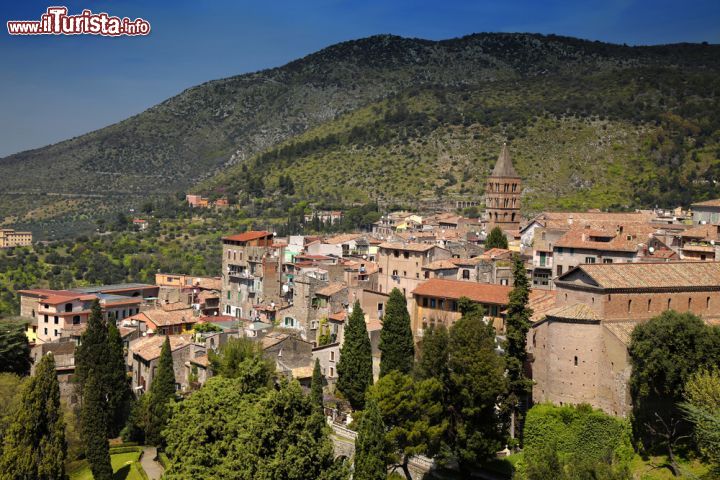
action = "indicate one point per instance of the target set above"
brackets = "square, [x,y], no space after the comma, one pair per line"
[243,274]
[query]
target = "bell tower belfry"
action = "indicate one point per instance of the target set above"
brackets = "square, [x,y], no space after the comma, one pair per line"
[502,194]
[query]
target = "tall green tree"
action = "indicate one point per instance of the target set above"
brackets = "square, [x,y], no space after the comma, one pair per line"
[355,365]
[162,392]
[496,239]
[14,347]
[702,408]
[370,450]
[397,346]
[94,428]
[35,446]
[664,353]
[433,361]
[242,357]
[413,414]
[10,396]
[476,383]
[517,325]
[100,354]
[316,387]
[119,395]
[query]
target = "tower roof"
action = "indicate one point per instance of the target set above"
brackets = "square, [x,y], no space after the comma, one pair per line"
[504,166]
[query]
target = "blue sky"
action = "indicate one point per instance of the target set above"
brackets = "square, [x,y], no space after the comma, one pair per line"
[53,87]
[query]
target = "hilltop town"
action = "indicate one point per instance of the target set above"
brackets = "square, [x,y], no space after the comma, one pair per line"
[592,279]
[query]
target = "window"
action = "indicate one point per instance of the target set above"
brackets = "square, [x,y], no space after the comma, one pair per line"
[332,356]
[56,333]
[406,254]
[559,270]
[576,361]
[441,304]
[432,303]
[589,259]
[76,320]
[649,304]
[404,273]
[690,303]
[466,274]
[380,270]
[607,260]
[417,275]
[629,305]
[332,372]
[68,307]
[57,320]
[424,302]
[45,317]
[396,253]
[669,303]
[707,303]
[427,274]
[45,330]
[559,250]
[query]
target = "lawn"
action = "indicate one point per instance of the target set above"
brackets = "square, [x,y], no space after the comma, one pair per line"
[125,465]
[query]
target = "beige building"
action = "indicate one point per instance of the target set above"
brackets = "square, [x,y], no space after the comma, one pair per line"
[578,350]
[10,238]
[400,265]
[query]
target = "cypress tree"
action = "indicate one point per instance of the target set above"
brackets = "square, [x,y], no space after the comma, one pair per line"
[93,424]
[355,365]
[14,348]
[496,239]
[119,395]
[433,361]
[162,391]
[35,445]
[396,339]
[100,354]
[517,324]
[370,451]
[316,387]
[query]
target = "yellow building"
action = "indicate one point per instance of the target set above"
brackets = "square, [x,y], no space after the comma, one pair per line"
[10,238]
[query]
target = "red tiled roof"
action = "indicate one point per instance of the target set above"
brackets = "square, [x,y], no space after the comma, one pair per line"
[247,236]
[456,289]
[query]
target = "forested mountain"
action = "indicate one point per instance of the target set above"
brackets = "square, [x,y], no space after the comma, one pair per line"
[590,124]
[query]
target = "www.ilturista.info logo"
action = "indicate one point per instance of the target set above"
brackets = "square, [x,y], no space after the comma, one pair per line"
[57,22]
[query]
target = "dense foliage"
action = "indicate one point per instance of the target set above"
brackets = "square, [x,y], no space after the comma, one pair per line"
[665,352]
[316,387]
[370,449]
[578,431]
[34,444]
[702,407]
[264,433]
[94,428]
[413,414]
[243,357]
[14,347]
[397,345]
[354,368]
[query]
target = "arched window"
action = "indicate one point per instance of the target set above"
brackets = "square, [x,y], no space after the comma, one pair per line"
[629,305]
[649,303]
[689,303]
[576,361]
[669,303]
[707,303]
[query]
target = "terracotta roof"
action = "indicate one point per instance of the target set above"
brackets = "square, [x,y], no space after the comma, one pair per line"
[331,289]
[162,318]
[707,203]
[703,232]
[149,348]
[440,265]
[202,360]
[455,289]
[272,339]
[340,316]
[540,302]
[344,238]
[496,252]
[622,330]
[467,261]
[582,238]
[413,247]
[576,311]
[566,220]
[651,275]
[247,236]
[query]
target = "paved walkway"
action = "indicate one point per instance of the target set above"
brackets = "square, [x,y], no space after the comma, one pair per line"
[153,468]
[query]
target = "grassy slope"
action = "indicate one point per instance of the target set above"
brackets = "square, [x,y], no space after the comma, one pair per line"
[125,465]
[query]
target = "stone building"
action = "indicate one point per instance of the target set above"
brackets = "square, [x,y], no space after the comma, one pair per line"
[502,194]
[243,260]
[706,212]
[144,358]
[579,349]
[400,264]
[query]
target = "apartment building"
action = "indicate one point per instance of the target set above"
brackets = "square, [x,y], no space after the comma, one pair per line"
[400,264]
[10,238]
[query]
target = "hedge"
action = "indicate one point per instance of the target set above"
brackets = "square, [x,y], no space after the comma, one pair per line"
[578,431]
[124,449]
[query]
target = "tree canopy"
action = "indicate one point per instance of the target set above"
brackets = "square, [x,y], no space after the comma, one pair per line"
[396,338]
[35,445]
[355,365]
[264,433]
[496,239]
[161,393]
[370,450]
[665,352]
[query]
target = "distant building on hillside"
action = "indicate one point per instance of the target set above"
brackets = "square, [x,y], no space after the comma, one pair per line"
[10,238]
[502,194]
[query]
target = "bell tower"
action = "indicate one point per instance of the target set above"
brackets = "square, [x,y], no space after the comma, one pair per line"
[502,194]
